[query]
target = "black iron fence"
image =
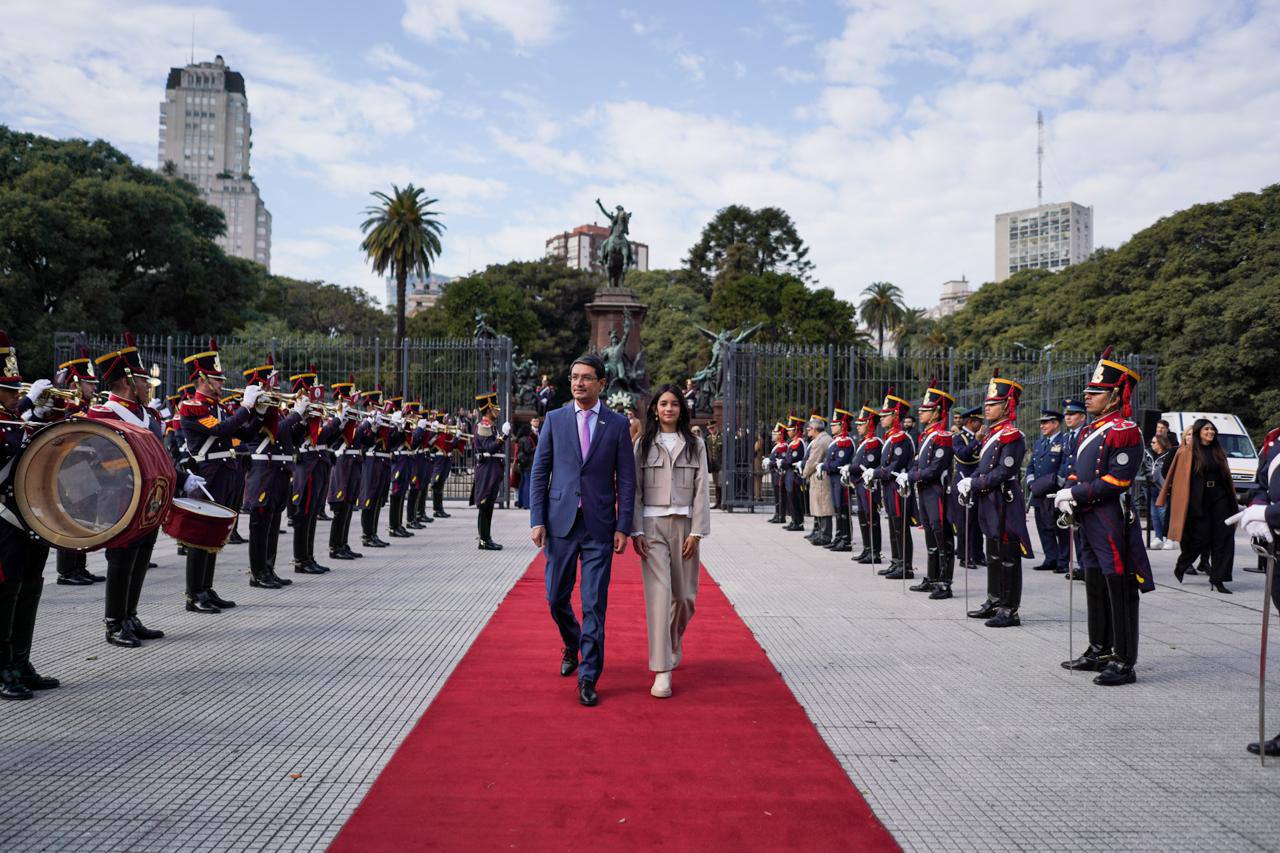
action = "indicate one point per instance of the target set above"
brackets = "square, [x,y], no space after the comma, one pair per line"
[443,374]
[763,383]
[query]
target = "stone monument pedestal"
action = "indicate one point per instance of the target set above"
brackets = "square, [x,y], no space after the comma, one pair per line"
[605,313]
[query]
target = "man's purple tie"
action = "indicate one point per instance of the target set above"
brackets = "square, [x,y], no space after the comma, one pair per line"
[585,433]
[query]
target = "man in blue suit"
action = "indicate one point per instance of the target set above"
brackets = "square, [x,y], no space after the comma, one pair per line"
[582,493]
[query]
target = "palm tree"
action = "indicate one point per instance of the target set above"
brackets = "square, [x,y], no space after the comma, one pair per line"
[882,308]
[402,234]
[912,322]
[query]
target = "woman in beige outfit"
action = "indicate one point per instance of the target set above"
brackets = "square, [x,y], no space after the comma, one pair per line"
[672,513]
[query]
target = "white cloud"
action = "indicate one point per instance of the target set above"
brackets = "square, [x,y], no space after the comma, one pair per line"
[528,23]
[386,57]
[794,76]
[692,63]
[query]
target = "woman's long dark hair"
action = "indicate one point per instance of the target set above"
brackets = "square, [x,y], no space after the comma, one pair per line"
[1208,457]
[651,424]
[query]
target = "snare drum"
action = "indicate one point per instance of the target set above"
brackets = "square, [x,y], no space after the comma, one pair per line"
[200,524]
[83,484]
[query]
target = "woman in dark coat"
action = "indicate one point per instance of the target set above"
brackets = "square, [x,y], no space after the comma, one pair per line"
[1200,496]
[490,455]
[526,446]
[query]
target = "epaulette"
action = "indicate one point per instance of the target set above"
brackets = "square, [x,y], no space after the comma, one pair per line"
[874,441]
[1010,435]
[192,409]
[897,437]
[1124,434]
[942,439]
[102,410]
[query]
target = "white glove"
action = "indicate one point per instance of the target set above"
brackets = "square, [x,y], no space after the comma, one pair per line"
[506,427]
[1063,501]
[844,471]
[798,465]
[902,479]
[301,405]
[155,404]
[194,485]
[1253,520]
[965,486]
[264,403]
[1258,530]
[820,473]
[37,388]
[251,395]
[397,418]
[766,464]
[867,476]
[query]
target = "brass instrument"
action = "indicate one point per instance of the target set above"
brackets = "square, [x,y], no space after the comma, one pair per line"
[273,398]
[68,395]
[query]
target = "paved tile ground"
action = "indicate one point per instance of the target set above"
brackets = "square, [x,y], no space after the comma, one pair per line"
[963,737]
[189,742]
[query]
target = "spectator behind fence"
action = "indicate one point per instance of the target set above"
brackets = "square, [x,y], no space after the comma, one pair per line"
[1200,496]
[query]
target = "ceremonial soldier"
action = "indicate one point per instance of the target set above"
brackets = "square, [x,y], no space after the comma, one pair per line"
[1113,556]
[402,469]
[311,470]
[1260,521]
[1041,484]
[772,464]
[814,475]
[997,494]
[544,396]
[123,374]
[966,446]
[344,479]
[929,476]
[420,440]
[76,375]
[1074,416]
[266,485]
[490,447]
[22,557]
[446,441]
[375,473]
[839,458]
[792,465]
[899,449]
[866,457]
[210,431]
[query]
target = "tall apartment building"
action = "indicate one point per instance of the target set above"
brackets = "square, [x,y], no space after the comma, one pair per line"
[580,249]
[1048,237]
[205,133]
[955,294]
[419,293]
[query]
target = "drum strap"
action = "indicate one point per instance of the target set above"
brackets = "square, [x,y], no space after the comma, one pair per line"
[129,417]
[203,453]
[5,513]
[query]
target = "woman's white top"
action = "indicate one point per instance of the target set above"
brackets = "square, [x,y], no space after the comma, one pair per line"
[668,442]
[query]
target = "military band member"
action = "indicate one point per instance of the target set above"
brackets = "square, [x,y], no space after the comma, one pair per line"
[266,485]
[966,446]
[402,469]
[930,478]
[1261,521]
[446,442]
[22,558]
[210,430]
[1114,558]
[420,440]
[772,464]
[310,474]
[814,474]
[895,458]
[375,472]
[76,375]
[1042,484]
[839,458]
[490,446]
[996,494]
[792,466]
[344,479]
[1074,416]
[866,457]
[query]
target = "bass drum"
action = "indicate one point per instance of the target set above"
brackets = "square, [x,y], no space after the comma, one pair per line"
[82,484]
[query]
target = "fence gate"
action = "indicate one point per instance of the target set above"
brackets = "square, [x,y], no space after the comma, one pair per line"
[763,383]
[442,374]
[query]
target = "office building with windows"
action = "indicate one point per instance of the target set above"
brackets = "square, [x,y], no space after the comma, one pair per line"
[579,249]
[1048,237]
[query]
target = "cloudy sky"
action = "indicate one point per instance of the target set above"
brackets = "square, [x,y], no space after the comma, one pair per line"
[892,132]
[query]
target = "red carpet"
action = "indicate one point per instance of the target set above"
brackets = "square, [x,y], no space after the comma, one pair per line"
[506,758]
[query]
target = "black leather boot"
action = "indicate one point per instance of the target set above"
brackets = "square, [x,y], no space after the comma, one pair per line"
[120,633]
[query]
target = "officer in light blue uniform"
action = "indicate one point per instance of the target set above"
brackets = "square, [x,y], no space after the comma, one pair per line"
[1041,483]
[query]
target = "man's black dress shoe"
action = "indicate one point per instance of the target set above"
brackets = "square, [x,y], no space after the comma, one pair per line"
[235,538]
[925,585]
[1043,567]
[120,633]
[940,591]
[400,533]
[373,542]
[489,545]
[1115,674]
[339,554]
[217,600]
[587,693]
[900,573]
[1272,746]
[142,632]
[32,680]
[441,514]
[1094,659]
[1004,618]
[200,603]
[986,611]
[304,567]
[569,662]
[11,687]
[75,580]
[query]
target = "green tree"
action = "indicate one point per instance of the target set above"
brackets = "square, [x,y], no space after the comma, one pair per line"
[673,348]
[402,235]
[790,311]
[317,307]
[912,326]
[769,239]
[881,309]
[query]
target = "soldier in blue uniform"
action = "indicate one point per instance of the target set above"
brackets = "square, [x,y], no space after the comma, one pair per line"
[966,447]
[211,431]
[1042,484]
[866,457]
[899,450]
[310,472]
[490,447]
[402,463]
[1260,521]
[839,458]
[445,443]
[1073,417]
[344,479]
[930,477]
[375,437]
[772,465]
[266,484]
[1113,555]
[997,495]
[792,463]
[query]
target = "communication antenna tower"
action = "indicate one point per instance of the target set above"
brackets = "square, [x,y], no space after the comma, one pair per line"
[1039,158]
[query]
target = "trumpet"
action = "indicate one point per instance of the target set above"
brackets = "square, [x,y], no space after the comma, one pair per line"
[67,395]
[273,398]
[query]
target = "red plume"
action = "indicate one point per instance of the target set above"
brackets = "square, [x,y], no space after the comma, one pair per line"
[4,339]
[351,377]
[311,368]
[213,345]
[1126,398]
[130,340]
[933,381]
[271,359]
[1106,353]
[84,352]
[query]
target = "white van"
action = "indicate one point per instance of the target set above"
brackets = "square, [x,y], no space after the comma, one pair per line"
[1241,455]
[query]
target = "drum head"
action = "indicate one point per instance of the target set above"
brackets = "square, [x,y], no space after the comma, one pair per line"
[208,508]
[77,484]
